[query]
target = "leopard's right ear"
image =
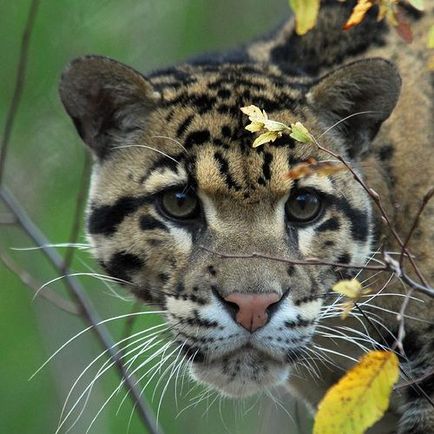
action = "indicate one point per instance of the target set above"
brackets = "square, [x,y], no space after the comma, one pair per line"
[105,100]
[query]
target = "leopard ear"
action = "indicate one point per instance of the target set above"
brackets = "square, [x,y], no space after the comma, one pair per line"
[365,91]
[105,100]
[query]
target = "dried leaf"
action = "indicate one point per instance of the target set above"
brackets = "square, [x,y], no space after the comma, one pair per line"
[300,133]
[431,63]
[418,4]
[269,136]
[358,13]
[403,28]
[312,167]
[306,14]
[361,396]
[430,43]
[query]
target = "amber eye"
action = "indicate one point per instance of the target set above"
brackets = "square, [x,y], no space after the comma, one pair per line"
[180,204]
[303,206]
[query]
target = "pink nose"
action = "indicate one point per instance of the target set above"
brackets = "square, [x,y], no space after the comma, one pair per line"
[252,308]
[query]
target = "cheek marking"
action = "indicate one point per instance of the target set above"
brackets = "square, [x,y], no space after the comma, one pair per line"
[209,210]
[305,236]
[183,238]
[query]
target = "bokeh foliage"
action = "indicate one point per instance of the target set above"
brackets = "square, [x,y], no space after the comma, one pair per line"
[44,169]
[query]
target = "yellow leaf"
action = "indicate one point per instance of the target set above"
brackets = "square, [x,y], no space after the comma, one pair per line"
[431,37]
[361,396]
[431,63]
[275,126]
[269,136]
[301,133]
[254,127]
[252,112]
[349,288]
[306,14]
[359,12]
[353,291]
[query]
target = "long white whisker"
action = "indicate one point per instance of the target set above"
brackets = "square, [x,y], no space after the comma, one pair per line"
[90,328]
[147,147]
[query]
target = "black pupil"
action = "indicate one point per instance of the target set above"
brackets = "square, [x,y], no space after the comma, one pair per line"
[303,206]
[180,204]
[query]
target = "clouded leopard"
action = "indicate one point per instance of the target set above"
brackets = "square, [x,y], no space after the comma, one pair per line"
[176,184]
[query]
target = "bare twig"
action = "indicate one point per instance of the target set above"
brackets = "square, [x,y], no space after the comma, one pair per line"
[377,200]
[31,282]
[19,84]
[88,311]
[428,196]
[307,261]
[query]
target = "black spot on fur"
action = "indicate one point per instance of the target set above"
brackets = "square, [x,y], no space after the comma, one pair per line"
[332,224]
[224,170]
[148,223]
[211,270]
[105,219]
[224,93]
[122,263]
[226,131]
[329,243]
[182,128]
[197,138]
[344,259]
[180,287]
[385,153]
[164,277]
[266,165]
[290,270]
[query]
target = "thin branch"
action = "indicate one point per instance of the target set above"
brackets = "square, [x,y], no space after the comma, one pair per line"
[31,282]
[428,196]
[307,261]
[377,200]
[19,84]
[88,311]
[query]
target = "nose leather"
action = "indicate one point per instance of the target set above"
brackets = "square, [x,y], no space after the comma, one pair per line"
[252,308]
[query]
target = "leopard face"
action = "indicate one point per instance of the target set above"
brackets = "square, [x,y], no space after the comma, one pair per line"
[181,203]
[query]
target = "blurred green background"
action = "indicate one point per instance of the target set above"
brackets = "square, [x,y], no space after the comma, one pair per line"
[44,170]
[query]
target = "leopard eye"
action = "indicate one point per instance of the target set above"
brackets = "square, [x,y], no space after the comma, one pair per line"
[303,206]
[180,204]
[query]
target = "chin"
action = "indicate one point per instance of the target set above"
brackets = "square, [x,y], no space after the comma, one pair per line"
[241,374]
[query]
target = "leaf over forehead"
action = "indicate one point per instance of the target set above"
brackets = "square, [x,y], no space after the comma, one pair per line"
[269,136]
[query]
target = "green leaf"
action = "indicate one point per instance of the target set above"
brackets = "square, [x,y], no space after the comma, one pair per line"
[301,133]
[306,14]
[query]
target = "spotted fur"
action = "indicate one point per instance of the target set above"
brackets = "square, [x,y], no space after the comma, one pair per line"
[182,128]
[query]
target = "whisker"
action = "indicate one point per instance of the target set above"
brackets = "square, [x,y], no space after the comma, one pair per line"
[150,148]
[172,140]
[76,336]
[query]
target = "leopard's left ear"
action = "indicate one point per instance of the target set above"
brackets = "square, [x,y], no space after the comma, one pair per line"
[365,91]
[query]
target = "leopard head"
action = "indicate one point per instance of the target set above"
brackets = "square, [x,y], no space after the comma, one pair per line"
[192,218]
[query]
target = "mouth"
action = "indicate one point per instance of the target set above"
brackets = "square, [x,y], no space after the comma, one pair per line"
[241,373]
